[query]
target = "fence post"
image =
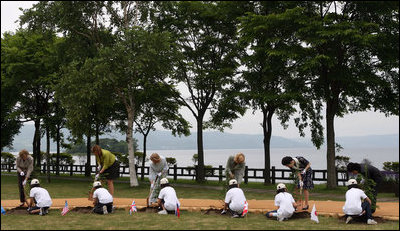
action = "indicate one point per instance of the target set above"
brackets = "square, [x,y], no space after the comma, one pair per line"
[220,173]
[44,168]
[175,172]
[196,172]
[71,171]
[246,174]
[9,167]
[273,175]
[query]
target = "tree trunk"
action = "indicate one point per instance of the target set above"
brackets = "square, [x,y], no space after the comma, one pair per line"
[37,139]
[200,150]
[144,155]
[129,138]
[267,130]
[58,152]
[97,134]
[330,155]
[87,165]
[48,153]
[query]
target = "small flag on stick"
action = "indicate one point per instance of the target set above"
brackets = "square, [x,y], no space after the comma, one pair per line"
[65,209]
[245,209]
[3,211]
[314,216]
[177,212]
[133,208]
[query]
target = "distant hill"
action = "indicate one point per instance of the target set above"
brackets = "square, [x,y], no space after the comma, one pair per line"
[164,140]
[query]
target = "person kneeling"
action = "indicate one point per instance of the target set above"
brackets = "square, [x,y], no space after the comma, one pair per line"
[234,200]
[285,203]
[102,199]
[354,206]
[40,200]
[167,198]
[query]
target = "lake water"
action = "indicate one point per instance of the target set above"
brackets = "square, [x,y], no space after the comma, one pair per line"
[255,157]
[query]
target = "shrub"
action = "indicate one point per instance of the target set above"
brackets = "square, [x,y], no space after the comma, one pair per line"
[7,158]
[170,161]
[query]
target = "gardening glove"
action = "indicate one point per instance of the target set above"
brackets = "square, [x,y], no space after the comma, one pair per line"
[303,172]
[24,183]
[362,181]
[99,168]
[301,184]
[223,212]
[22,174]
[159,174]
[152,185]
[97,176]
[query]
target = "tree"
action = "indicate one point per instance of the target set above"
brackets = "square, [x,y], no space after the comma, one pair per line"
[158,106]
[345,62]
[138,61]
[206,34]
[28,61]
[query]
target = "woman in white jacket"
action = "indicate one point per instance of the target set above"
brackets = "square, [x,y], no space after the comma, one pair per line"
[158,170]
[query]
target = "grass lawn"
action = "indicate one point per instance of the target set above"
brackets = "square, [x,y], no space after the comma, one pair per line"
[188,220]
[78,187]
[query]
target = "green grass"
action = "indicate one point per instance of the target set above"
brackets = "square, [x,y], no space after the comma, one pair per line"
[188,220]
[78,187]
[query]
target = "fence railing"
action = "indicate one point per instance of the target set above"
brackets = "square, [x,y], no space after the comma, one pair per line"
[187,172]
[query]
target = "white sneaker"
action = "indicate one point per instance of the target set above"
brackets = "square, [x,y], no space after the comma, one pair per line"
[163,212]
[105,209]
[41,212]
[371,222]
[348,219]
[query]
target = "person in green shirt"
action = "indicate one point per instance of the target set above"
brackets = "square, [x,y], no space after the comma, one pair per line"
[107,165]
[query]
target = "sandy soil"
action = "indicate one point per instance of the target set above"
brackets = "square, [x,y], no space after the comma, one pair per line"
[386,210]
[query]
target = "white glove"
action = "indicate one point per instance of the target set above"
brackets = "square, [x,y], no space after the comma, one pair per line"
[22,174]
[362,181]
[98,168]
[159,174]
[152,185]
[97,176]
[223,212]
[301,184]
[303,172]
[24,182]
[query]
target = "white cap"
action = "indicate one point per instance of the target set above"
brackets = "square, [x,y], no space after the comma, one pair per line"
[232,182]
[164,181]
[280,186]
[34,181]
[96,183]
[351,181]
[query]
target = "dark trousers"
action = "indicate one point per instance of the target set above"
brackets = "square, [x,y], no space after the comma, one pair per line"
[21,188]
[99,208]
[270,212]
[365,207]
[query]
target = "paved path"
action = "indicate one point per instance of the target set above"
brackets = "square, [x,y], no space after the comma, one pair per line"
[386,210]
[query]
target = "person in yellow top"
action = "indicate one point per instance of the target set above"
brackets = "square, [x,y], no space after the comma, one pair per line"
[107,165]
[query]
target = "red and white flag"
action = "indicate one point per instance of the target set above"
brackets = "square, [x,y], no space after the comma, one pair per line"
[133,208]
[314,216]
[65,209]
[245,209]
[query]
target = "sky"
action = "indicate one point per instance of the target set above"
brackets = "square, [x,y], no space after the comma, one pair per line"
[356,124]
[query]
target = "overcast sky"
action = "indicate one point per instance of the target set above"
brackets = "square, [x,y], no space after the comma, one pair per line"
[357,124]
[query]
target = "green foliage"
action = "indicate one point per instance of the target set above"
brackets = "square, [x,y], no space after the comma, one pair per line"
[367,186]
[8,158]
[391,166]
[112,145]
[195,158]
[65,158]
[170,161]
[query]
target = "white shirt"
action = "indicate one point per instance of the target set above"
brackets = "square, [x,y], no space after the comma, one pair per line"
[168,194]
[41,196]
[285,202]
[354,197]
[236,198]
[103,195]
